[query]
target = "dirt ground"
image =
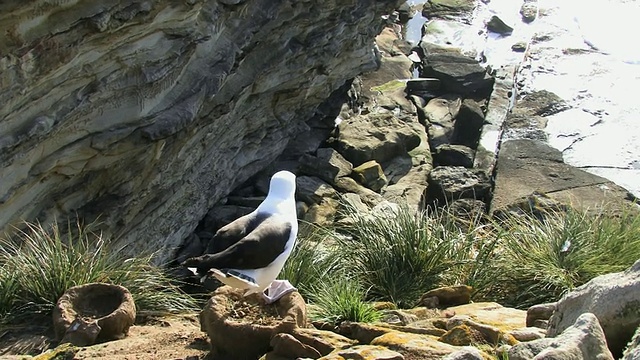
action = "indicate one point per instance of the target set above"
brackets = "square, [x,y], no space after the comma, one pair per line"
[175,337]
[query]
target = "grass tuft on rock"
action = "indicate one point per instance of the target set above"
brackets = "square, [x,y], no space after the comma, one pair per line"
[518,261]
[399,254]
[313,260]
[340,299]
[39,264]
[538,260]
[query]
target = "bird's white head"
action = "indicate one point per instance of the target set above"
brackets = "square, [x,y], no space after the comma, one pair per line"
[281,197]
[282,185]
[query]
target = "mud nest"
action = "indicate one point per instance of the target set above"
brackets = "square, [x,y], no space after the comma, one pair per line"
[242,327]
[252,311]
[92,313]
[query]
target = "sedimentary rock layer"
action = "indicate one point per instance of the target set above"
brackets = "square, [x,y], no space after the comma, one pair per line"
[144,114]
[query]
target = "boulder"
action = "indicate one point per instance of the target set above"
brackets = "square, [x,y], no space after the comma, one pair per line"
[368,196]
[540,312]
[540,103]
[394,100]
[419,85]
[370,174]
[96,312]
[390,43]
[498,107]
[632,352]
[312,190]
[462,335]
[458,73]
[528,334]
[232,321]
[535,204]
[411,188]
[492,314]
[398,317]
[354,201]
[450,295]
[364,352]
[405,12]
[448,183]
[519,47]
[468,124]
[613,299]
[287,346]
[408,174]
[467,353]
[323,341]
[453,34]
[447,8]
[529,11]
[397,168]
[420,327]
[327,164]
[467,209]
[414,346]
[378,137]
[323,213]
[364,333]
[440,114]
[497,25]
[464,330]
[454,155]
[584,339]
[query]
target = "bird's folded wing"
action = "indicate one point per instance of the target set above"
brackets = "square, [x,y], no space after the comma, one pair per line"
[256,250]
[232,233]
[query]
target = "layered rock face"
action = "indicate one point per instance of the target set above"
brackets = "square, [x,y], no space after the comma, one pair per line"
[146,113]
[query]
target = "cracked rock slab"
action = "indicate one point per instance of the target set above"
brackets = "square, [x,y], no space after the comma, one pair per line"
[527,166]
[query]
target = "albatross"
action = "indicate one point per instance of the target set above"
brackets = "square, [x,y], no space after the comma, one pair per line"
[259,244]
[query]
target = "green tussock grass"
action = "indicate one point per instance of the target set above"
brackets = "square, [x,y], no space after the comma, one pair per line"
[342,299]
[518,261]
[313,261]
[535,261]
[39,264]
[401,254]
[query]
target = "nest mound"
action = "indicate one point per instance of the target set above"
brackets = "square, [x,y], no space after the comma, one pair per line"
[95,312]
[242,327]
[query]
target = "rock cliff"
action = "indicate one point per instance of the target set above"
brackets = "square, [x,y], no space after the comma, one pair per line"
[143,114]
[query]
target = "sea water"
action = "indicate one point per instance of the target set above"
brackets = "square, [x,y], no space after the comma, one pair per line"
[588,54]
[598,74]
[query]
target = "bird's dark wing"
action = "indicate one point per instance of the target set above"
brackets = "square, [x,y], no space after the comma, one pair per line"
[256,250]
[233,232]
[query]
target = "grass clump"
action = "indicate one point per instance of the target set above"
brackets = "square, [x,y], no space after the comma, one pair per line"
[519,260]
[342,299]
[39,264]
[400,254]
[538,260]
[313,261]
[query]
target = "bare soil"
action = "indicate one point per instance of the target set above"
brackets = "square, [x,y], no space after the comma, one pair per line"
[174,337]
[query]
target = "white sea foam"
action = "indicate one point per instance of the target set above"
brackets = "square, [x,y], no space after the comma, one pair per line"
[589,55]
